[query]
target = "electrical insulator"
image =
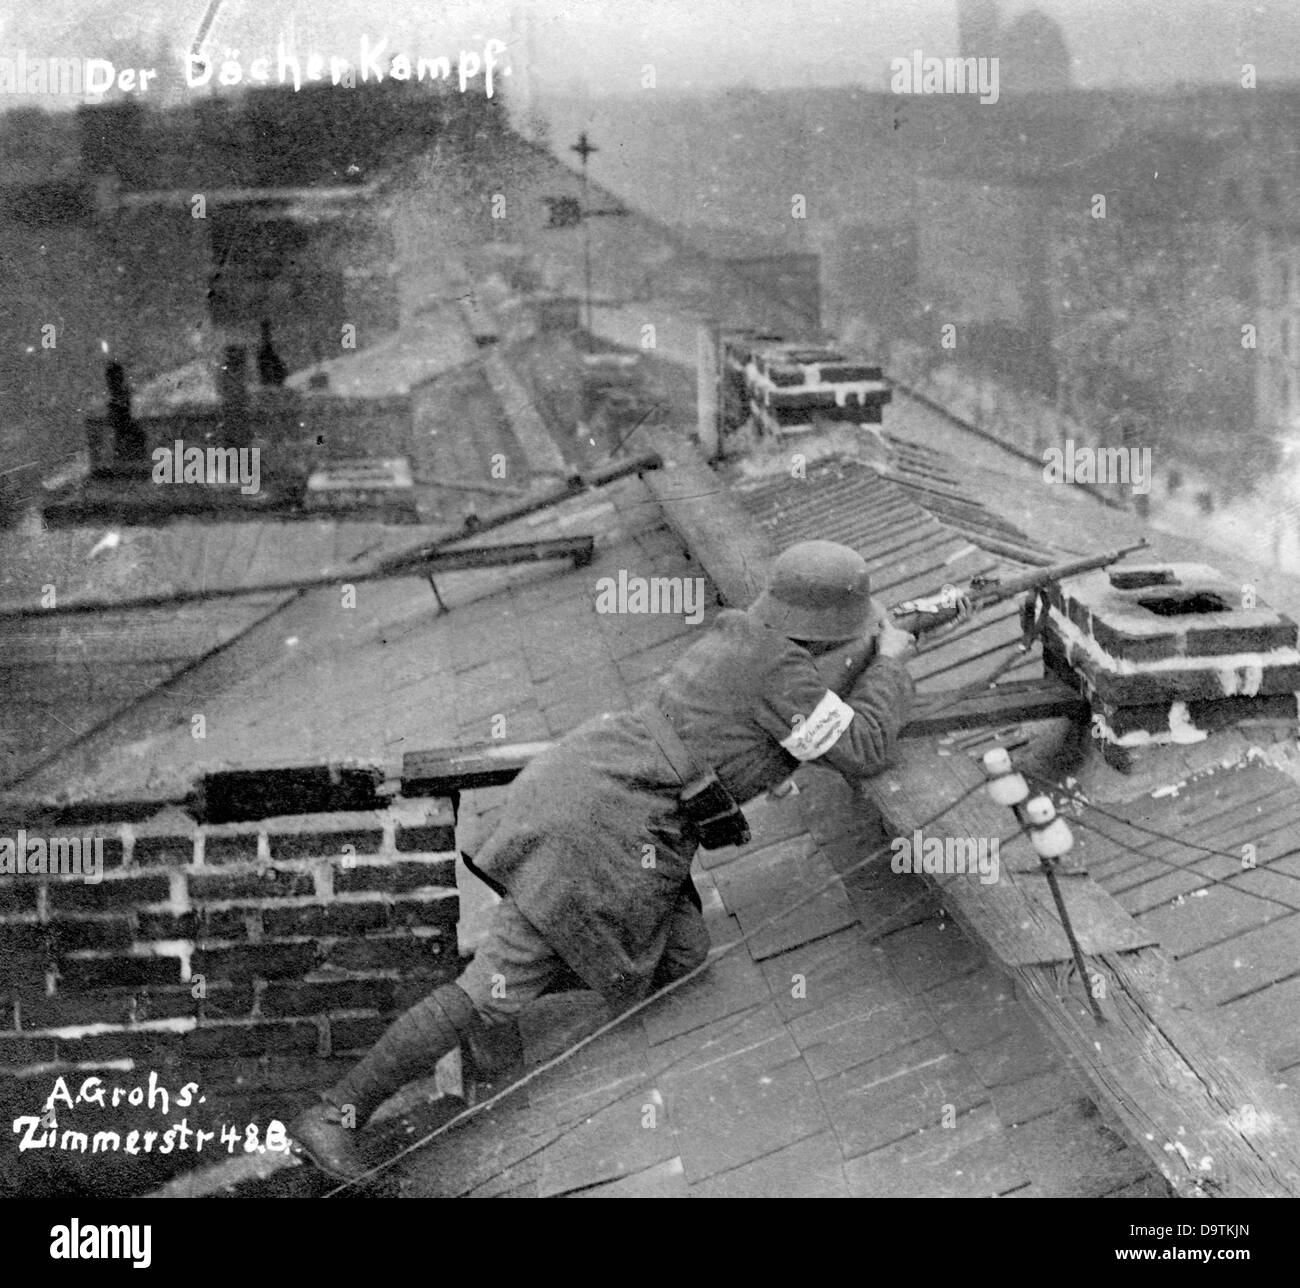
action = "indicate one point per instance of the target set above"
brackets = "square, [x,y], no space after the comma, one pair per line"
[1050,834]
[1040,811]
[1005,787]
[997,760]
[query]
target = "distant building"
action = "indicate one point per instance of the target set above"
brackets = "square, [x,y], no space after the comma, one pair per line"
[1271,193]
[982,259]
[1034,58]
[977,28]
[773,272]
[111,138]
[315,260]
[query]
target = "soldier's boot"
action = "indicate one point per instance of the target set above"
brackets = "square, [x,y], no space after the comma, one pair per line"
[321,1135]
[409,1049]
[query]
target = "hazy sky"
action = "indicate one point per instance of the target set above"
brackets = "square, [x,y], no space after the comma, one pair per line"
[602,44]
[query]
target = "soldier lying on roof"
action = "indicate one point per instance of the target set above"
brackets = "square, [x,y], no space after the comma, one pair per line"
[592,855]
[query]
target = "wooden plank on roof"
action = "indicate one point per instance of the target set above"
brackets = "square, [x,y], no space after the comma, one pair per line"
[977,668]
[703,510]
[530,431]
[1215,1124]
[1038,699]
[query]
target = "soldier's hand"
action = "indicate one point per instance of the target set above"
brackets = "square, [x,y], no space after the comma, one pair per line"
[953,597]
[892,642]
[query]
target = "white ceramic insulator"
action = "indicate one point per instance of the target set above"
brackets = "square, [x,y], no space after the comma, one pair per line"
[1053,840]
[1008,789]
[997,761]
[1040,811]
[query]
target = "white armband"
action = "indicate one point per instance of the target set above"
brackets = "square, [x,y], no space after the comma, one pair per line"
[817,734]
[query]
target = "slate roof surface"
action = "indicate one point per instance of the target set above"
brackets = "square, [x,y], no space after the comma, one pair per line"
[818,1058]
[1178,867]
[754,1090]
[908,550]
[931,479]
[66,677]
[427,346]
[1167,844]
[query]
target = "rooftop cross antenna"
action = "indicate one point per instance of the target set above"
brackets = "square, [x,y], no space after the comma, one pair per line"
[584,149]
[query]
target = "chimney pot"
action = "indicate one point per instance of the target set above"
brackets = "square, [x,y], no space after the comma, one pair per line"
[1170,654]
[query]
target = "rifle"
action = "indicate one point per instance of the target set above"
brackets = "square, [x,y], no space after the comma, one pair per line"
[917,616]
[842,666]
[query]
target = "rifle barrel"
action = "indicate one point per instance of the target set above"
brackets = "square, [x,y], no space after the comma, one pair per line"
[996,591]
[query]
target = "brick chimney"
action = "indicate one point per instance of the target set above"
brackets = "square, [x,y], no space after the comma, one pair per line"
[1171,654]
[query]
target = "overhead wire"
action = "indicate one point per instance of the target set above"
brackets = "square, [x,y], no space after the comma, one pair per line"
[1156,834]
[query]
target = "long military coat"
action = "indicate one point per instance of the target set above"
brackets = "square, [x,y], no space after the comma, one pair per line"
[591,845]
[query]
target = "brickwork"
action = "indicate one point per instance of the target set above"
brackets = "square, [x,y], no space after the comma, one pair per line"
[1171,653]
[782,385]
[277,946]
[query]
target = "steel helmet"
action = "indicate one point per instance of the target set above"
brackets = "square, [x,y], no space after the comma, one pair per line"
[818,590]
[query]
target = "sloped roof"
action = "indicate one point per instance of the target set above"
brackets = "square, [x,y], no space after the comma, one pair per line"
[433,342]
[754,1088]
[814,1060]
[1170,851]
[69,677]
[909,551]
[1176,860]
[930,478]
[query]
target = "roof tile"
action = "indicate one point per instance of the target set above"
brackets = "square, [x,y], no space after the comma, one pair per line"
[773,881]
[627,1136]
[826,968]
[732,983]
[859,1026]
[966,1160]
[810,1168]
[740,1109]
[889,1098]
